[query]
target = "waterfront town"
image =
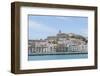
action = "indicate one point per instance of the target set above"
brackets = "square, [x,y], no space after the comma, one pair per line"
[61,43]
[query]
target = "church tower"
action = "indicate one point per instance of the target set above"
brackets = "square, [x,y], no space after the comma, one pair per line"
[59,31]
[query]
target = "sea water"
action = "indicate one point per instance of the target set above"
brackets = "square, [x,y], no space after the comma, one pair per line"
[55,57]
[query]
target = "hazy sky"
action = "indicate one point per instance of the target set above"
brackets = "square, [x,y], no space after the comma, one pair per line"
[42,26]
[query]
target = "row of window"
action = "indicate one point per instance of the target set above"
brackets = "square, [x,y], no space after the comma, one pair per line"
[53,49]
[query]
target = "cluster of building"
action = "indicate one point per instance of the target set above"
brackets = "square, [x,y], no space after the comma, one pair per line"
[61,43]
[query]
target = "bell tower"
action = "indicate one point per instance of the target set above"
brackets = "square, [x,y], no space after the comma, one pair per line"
[59,31]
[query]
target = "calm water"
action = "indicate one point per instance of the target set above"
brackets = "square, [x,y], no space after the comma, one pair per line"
[55,57]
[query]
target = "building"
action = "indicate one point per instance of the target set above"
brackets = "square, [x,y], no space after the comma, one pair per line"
[78,48]
[62,42]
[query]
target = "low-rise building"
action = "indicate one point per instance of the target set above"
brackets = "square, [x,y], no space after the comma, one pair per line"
[59,43]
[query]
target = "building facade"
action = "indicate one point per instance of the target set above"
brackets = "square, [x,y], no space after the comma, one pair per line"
[61,43]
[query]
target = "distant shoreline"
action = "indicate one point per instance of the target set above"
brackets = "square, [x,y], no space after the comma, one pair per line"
[70,53]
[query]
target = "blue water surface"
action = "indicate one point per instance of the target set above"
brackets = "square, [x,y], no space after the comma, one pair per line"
[55,57]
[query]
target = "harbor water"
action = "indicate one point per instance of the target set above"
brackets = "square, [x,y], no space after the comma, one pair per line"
[55,57]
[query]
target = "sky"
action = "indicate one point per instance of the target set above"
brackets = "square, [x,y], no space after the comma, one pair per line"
[39,26]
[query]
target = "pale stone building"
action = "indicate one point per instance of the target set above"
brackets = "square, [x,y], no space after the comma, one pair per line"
[59,43]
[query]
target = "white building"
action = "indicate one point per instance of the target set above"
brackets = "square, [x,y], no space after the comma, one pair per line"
[78,48]
[59,43]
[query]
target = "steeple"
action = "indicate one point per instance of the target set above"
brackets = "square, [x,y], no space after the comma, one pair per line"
[59,31]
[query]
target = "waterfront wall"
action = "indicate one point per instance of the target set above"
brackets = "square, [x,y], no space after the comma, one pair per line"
[43,50]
